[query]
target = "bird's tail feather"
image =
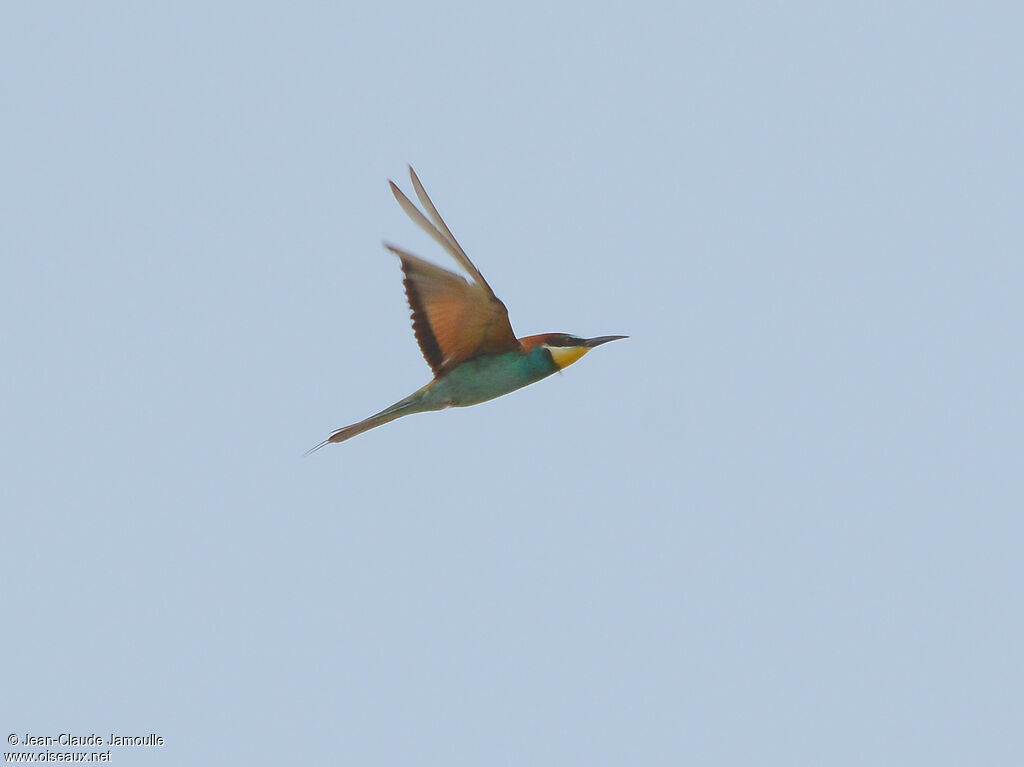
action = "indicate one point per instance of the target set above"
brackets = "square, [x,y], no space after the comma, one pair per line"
[408,406]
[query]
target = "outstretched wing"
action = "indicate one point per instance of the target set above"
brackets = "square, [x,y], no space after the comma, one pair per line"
[454,320]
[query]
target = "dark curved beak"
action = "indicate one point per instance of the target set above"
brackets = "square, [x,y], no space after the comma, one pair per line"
[592,342]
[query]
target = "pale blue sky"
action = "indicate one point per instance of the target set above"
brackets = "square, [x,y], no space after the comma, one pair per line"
[780,525]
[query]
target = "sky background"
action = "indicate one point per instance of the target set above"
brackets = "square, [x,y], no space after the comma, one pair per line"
[780,525]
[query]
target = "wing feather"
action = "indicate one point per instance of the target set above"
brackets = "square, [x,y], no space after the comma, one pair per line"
[457,252]
[436,227]
[454,320]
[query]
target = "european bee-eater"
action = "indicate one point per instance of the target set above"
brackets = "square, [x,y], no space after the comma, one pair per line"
[463,331]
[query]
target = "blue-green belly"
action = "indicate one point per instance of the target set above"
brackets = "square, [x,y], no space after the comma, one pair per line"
[487,377]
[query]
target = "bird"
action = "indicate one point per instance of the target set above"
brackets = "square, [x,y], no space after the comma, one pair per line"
[463,331]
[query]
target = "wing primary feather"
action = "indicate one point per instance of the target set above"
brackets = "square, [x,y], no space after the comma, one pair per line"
[441,234]
[431,209]
[422,222]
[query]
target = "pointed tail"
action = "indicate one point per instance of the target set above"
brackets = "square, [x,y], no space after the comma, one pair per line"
[408,406]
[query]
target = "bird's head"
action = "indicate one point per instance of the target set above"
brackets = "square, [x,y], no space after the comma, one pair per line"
[565,349]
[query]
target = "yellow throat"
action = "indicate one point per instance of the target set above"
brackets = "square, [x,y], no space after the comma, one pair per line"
[564,356]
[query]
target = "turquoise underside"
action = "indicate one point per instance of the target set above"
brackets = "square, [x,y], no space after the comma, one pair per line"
[487,377]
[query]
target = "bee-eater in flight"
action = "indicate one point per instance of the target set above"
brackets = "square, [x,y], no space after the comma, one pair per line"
[463,331]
